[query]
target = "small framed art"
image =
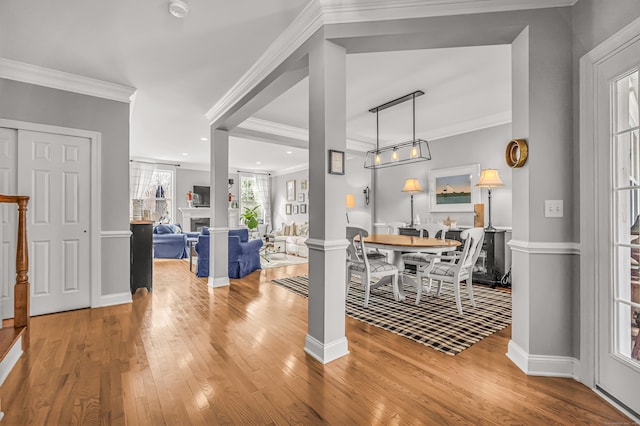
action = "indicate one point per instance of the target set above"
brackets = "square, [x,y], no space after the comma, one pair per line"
[287,208]
[301,197]
[291,190]
[303,208]
[336,162]
[295,209]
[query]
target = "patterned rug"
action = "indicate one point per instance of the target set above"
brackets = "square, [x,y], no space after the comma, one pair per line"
[435,322]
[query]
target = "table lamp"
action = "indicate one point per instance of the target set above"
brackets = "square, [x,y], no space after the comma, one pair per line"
[489,178]
[351,203]
[411,185]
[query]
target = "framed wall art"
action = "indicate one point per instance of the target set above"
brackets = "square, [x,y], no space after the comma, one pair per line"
[303,184]
[287,208]
[301,197]
[303,208]
[336,162]
[291,190]
[453,189]
[295,209]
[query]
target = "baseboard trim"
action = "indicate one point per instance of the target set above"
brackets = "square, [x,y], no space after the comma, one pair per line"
[541,365]
[115,299]
[218,282]
[10,360]
[325,353]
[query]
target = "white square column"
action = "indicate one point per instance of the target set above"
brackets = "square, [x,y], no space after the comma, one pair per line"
[219,230]
[327,243]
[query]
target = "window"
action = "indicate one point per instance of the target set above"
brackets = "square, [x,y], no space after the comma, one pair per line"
[152,192]
[254,191]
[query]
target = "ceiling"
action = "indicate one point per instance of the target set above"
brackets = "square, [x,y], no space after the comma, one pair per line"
[182,67]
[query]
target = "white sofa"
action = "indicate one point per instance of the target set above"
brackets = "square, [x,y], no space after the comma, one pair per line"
[294,235]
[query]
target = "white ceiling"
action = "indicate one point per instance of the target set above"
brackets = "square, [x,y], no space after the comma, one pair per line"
[181,68]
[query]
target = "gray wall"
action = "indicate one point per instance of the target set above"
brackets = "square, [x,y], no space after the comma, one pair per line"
[279,199]
[27,102]
[485,147]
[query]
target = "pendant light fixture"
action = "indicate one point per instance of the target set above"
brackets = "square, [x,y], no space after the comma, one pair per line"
[407,152]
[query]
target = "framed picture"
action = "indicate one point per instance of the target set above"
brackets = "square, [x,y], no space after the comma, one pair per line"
[301,197]
[303,184]
[336,162]
[234,204]
[303,208]
[295,209]
[287,208]
[291,190]
[453,189]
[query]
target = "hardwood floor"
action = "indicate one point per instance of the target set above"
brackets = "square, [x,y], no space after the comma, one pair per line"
[188,354]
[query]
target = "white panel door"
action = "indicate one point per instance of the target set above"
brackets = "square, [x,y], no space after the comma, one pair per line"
[618,191]
[54,170]
[8,219]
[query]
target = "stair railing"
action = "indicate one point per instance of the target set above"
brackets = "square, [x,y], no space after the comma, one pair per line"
[21,288]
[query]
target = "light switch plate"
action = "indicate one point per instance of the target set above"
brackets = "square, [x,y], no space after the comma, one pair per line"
[553,208]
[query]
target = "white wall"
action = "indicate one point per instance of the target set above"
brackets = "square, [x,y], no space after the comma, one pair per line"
[485,147]
[279,199]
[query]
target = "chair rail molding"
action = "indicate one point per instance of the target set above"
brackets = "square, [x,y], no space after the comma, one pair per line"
[47,77]
[538,247]
[320,12]
[115,234]
[326,245]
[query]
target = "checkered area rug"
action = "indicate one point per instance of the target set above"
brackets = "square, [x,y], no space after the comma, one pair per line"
[435,322]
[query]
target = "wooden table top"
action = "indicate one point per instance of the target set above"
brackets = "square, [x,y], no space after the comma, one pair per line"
[409,241]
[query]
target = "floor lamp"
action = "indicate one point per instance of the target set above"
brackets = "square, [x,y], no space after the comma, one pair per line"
[351,203]
[411,185]
[489,178]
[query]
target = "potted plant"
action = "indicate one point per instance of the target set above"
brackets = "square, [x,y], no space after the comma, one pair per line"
[250,217]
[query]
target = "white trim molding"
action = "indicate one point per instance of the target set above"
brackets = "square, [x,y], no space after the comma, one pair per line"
[326,245]
[325,353]
[218,282]
[115,234]
[47,77]
[542,365]
[9,361]
[536,247]
[115,299]
[320,12]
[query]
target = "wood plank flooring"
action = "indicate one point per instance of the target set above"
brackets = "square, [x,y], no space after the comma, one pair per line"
[187,354]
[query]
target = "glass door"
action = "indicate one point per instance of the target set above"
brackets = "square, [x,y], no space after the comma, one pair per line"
[618,305]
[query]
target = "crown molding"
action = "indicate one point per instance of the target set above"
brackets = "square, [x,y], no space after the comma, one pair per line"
[289,170]
[320,12]
[47,77]
[292,132]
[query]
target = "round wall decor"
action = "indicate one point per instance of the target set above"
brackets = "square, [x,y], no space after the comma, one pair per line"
[517,152]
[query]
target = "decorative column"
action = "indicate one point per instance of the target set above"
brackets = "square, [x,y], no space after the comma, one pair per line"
[327,244]
[219,229]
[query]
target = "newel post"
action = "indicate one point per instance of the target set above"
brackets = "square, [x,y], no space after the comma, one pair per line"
[21,290]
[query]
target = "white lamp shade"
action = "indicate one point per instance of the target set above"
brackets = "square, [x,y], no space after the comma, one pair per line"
[411,185]
[489,178]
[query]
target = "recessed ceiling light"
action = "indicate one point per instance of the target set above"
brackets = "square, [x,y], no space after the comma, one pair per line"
[289,152]
[258,162]
[204,139]
[185,153]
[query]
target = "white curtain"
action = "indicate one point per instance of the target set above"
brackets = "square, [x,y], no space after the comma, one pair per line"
[140,178]
[263,195]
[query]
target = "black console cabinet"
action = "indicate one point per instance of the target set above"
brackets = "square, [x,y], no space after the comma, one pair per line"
[141,255]
[490,266]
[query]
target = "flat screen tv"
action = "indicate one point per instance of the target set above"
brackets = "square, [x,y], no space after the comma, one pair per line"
[202,196]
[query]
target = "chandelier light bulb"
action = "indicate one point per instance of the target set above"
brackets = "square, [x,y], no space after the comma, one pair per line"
[414,151]
[394,154]
[378,159]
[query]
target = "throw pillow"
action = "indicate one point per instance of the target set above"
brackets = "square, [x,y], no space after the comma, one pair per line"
[296,229]
[163,229]
[304,229]
[205,230]
[286,230]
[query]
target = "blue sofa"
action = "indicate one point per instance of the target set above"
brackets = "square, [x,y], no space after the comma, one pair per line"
[169,242]
[244,254]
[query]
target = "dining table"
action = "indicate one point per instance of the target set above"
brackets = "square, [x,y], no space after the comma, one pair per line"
[398,244]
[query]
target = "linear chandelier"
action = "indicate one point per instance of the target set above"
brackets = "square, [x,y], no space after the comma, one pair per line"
[403,153]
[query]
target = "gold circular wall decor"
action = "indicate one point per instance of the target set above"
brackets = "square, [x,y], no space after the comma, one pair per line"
[517,152]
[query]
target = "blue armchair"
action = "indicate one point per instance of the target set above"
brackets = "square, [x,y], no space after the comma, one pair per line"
[244,255]
[169,242]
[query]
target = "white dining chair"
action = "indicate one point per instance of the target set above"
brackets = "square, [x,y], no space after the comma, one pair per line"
[426,256]
[454,267]
[359,265]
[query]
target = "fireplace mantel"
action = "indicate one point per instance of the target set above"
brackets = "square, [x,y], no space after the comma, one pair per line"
[194,212]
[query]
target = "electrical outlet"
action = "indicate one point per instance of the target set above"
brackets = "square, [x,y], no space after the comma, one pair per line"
[553,208]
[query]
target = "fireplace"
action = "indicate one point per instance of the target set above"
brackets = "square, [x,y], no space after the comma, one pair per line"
[198,222]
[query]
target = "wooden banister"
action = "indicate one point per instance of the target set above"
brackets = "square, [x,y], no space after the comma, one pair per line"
[21,288]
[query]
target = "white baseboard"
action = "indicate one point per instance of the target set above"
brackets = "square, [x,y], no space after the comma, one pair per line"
[114,299]
[326,353]
[218,282]
[10,360]
[542,365]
